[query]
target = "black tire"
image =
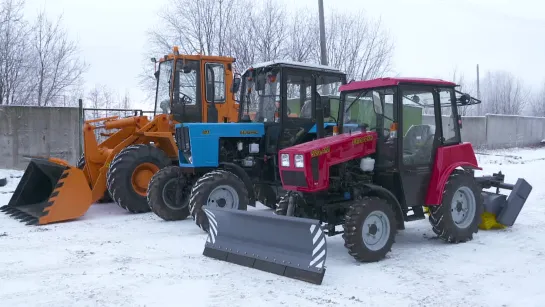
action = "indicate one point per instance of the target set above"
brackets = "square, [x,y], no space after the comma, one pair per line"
[3,182]
[354,223]
[282,206]
[107,198]
[441,217]
[120,175]
[168,194]
[266,195]
[205,185]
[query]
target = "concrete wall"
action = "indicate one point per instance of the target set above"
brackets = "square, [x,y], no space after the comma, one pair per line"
[56,132]
[497,131]
[38,131]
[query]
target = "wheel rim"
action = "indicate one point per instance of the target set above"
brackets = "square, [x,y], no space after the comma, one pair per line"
[169,195]
[223,196]
[463,207]
[375,230]
[141,177]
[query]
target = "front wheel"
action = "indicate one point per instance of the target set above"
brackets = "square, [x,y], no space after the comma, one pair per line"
[168,194]
[458,216]
[220,189]
[369,229]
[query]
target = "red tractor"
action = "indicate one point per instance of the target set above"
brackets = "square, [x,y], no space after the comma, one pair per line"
[405,156]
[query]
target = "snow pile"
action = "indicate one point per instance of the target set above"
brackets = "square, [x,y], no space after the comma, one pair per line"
[112,258]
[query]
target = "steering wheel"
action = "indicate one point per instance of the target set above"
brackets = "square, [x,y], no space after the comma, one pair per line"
[183,100]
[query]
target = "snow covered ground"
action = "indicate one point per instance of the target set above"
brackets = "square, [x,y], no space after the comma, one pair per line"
[112,258]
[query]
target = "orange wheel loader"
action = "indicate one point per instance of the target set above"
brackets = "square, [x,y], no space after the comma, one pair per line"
[190,88]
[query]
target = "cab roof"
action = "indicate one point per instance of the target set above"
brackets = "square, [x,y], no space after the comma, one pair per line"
[383,82]
[285,63]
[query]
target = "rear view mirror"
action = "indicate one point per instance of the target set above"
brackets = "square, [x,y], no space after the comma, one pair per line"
[186,69]
[377,103]
[236,85]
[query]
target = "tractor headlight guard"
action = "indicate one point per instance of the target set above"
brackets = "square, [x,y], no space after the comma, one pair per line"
[285,160]
[299,161]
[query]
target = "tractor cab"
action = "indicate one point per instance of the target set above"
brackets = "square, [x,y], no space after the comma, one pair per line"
[286,97]
[196,88]
[413,119]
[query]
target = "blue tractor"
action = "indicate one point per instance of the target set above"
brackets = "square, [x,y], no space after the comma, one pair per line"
[233,165]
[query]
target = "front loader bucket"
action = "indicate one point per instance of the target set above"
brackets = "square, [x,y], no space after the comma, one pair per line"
[283,245]
[501,210]
[49,192]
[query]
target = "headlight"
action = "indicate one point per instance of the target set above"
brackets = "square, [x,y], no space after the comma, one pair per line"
[285,160]
[299,161]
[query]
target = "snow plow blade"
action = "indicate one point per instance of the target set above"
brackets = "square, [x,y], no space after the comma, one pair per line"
[500,210]
[49,191]
[287,246]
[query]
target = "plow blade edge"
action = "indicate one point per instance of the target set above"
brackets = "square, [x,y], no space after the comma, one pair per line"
[49,192]
[283,245]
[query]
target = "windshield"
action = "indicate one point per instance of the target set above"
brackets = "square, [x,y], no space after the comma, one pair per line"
[361,109]
[261,98]
[162,101]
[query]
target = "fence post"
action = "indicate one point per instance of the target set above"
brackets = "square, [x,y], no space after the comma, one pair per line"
[80,129]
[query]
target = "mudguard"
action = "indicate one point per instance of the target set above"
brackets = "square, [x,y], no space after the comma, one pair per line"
[283,245]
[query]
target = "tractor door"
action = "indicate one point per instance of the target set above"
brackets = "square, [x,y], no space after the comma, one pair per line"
[419,134]
[215,91]
[298,90]
[186,94]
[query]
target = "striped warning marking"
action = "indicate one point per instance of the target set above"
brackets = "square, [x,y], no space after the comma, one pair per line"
[213,231]
[319,251]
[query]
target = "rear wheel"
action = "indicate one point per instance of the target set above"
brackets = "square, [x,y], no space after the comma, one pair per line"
[106,198]
[458,216]
[218,188]
[130,173]
[369,229]
[168,194]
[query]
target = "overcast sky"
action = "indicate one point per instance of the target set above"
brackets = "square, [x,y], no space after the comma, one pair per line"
[432,37]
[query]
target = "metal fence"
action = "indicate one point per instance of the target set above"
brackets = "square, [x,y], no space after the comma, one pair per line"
[101,134]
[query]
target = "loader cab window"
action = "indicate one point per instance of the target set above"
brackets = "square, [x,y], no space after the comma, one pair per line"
[162,99]
[186,82]
[217,79]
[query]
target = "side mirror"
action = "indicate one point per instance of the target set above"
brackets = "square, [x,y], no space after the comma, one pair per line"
[156,74]
[236,85]
[326,106]
[186,69]
[465,99]
[377,103]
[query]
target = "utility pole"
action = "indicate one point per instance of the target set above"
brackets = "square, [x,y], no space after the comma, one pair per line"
[323,51]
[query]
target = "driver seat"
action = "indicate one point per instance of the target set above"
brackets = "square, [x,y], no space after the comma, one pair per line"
[418,143]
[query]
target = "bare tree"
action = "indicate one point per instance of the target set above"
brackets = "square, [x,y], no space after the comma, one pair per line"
[57,63]
[301,41]
[503,93]
[538,102]
[356,45]
[264,30]
[13,58]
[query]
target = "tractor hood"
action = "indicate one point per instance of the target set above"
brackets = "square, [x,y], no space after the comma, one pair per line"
[305,167]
